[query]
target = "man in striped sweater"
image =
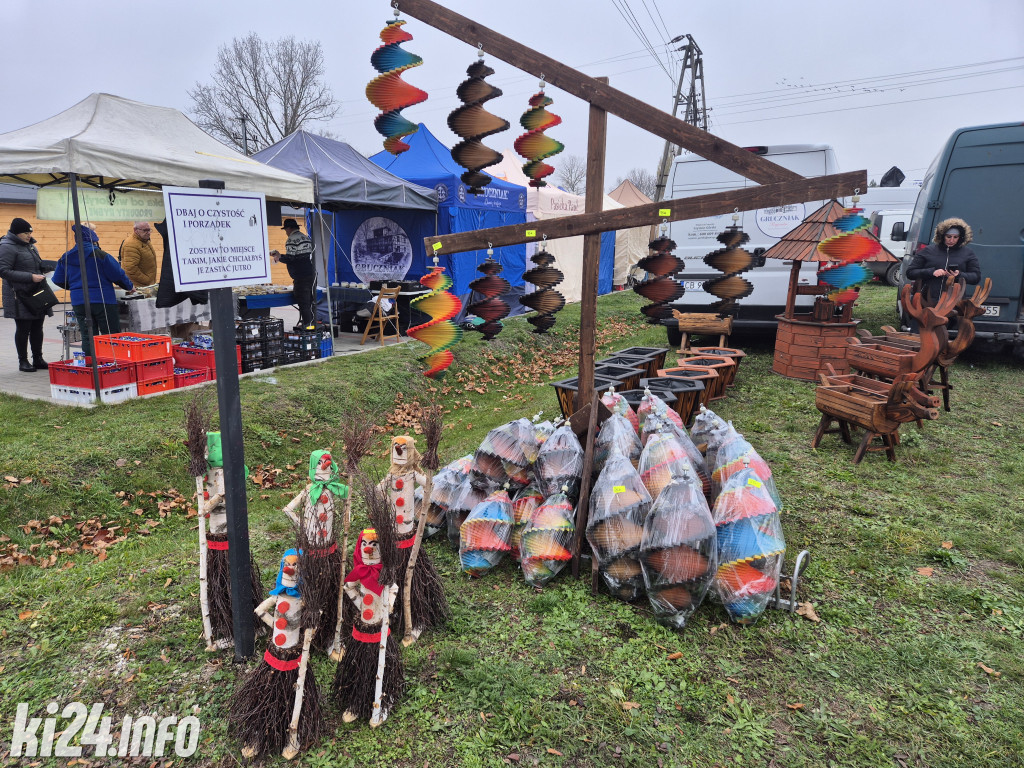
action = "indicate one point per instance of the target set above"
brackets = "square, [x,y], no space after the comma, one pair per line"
[298,258]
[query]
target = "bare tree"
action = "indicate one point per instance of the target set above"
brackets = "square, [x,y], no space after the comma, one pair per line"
[642,179]
[572,174]
[276,87]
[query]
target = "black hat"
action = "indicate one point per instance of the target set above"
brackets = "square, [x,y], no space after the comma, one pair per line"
[289,224]
[19,225]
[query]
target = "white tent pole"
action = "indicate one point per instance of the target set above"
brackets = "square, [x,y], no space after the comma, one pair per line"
[323,253]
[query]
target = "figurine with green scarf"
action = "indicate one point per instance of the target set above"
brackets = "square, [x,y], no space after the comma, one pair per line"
[312,514]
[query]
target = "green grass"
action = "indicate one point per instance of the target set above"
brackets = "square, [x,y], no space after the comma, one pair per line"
[890,675]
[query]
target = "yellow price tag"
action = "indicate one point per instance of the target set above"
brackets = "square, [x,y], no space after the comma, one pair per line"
[618,489]
[436,246]
[753,482]
[663,212]
[531,233]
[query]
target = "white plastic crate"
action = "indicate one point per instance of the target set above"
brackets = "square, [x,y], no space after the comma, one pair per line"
[80,396]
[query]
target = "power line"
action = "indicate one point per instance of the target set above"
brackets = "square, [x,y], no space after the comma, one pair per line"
[633,23]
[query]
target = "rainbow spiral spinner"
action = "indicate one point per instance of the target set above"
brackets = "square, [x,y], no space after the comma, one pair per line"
[534,145]
[440,333]
[388,92]
[849,247]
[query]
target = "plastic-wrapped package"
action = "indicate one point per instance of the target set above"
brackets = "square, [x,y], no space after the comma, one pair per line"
[619,504]
[442,495]
[542,430]
[719,436]
[616,437]
[704,423]
[663,460]
[655,423]
[560,462]
[510,444]
[524,502]
[679,551]
[736,455]
[546,543]
[528,439]
[468,495]
[751,546]
[616,403]
[650,403]
[518,477]
[484,536]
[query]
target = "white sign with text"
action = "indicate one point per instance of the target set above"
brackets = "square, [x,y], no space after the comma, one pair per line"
[217,238]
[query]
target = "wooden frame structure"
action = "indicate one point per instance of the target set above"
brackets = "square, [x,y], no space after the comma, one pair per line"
[779,186]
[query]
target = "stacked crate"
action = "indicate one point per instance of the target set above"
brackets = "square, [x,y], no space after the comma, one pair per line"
[150,357]
[301,345]
[74,383]
[195,358]
[272,340]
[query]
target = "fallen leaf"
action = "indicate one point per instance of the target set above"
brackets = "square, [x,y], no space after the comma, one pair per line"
[138,463]
[10,478]
[102,556]
[120,462]
[989,671]
[26,480]
[550,750]
[168,583]
[926,571]
[807,611]
[513,756]
[795,705]
[996,424]
[729,699]
[628,705]
[947,545]
[673,656]
[25,615]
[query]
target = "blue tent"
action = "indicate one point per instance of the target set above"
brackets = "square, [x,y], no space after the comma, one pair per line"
[429,163]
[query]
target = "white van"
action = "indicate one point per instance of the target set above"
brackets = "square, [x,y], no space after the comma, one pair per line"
[692,175]
[893,238]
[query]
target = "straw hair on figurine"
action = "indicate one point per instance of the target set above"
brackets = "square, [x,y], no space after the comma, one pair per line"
[198,417]
[357,437]
[370,679]
[278,708]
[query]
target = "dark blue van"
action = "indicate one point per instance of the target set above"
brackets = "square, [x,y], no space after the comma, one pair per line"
[979,177]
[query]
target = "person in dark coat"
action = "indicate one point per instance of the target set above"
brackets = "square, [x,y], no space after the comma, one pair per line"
[21,267]
[102,273]
[298,258]
[948,255]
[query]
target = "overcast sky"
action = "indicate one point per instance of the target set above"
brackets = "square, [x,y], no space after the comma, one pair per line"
[884,82]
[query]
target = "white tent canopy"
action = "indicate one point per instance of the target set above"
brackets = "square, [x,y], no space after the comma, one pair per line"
[635,241]
[107,140]
[550,202]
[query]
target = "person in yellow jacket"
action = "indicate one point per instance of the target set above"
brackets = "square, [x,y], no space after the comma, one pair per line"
[138,259]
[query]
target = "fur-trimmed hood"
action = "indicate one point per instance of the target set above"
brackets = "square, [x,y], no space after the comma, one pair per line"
[944,225]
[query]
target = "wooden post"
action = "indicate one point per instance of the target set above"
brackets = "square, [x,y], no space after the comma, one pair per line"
[591,252]
[794,281]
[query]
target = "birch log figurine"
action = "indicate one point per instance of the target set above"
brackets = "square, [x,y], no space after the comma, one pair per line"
[197,422]
[428,605]
[312,513]
[263,713]
[433,425]
[370,678]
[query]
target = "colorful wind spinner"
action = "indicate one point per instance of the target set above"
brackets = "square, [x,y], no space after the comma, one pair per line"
[545,301]
[534,145]
[388,92]
[484,537]
[733,260]
[440,333]
[523,503]
[472,122]
[546,543]
[663,287]
[491,309]
[850,247]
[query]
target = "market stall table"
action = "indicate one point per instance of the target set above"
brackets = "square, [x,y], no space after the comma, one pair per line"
[141,315]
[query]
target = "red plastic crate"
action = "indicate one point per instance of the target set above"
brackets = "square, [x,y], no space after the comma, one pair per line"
[189,357]
[67,374]
[155,385]
[132,347]
[196,376]
[148,370]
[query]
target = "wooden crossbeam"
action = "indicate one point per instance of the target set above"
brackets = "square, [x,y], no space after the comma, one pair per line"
[602,95]
[750,198]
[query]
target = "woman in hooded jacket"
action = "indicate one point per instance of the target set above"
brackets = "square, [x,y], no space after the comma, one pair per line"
[947,255]
[21,267]
[102,272]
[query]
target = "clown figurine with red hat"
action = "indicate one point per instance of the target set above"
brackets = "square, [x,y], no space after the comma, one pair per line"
[278,707]
[429,606]
[312,513]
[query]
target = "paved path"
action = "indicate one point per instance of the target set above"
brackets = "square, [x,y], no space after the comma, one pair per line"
[37,385]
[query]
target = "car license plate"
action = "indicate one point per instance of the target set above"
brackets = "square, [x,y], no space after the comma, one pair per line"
[693,285]
[991,310]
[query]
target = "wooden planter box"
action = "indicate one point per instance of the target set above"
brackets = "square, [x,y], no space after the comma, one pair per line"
[627,376]
[707,376]
[643,362]
[856,405]
[566,391]
[736,355]
[725,367]
[879,359]
[634,396]
[687,392]
[803,347]
[657,353]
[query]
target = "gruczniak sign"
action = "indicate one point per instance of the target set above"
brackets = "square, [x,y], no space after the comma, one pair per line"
[217,238]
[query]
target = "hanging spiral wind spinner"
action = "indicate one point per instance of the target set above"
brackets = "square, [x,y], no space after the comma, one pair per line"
[439,332]
[491,309]
[534,145]
[850,247]
[733,260]
[545,301]
[663,287]
[472,123]
[388,91]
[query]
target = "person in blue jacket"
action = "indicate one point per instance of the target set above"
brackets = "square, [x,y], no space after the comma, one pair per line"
[102,273]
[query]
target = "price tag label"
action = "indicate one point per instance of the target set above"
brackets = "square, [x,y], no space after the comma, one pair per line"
[531,233]
[753,482]
[664,212]
[436,246]
[618,489]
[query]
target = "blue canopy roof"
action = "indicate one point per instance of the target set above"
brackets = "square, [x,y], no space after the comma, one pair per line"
[343,178]
[429,162]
